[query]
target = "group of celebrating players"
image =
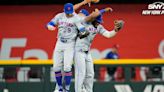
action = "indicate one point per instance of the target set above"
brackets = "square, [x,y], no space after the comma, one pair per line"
[75,35]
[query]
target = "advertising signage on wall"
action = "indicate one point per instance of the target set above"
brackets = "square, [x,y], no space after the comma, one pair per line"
[146,88]
[23,33]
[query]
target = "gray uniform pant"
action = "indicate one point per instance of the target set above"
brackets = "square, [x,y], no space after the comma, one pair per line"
[84,71]
[63,56]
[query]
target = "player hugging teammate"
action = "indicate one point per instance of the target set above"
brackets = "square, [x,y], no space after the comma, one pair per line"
[75,35]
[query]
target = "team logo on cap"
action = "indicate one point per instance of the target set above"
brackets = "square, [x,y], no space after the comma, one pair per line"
[69,8]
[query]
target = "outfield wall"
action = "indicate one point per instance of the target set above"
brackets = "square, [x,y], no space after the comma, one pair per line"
[46,85]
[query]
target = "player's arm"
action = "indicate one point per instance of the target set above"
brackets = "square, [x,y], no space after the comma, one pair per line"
[109,34]
[51,25]
[96,13]
[77,6]
[81,28]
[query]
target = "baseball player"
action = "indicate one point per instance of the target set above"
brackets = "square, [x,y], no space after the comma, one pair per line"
[51,27]
[68,23]
[68,26]
[84,70]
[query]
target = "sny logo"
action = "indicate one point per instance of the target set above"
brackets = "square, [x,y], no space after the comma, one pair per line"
[156,5]
[156,8]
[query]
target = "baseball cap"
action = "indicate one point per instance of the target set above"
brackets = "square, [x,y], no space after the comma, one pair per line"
[68,8]
[84,11]
[99,19]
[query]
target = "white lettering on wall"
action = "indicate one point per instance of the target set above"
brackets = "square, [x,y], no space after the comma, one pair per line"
[8,44]
[161,49]
[38,53]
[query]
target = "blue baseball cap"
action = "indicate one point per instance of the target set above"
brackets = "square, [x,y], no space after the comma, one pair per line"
[84,11]
[99,19]
[68,8]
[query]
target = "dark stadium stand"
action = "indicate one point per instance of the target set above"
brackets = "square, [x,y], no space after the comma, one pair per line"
[38,2]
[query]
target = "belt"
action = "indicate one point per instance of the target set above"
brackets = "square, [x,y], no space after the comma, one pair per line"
[66,40]
[86,52]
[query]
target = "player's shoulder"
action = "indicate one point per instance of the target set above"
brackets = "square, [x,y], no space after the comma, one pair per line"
[74,13]
[59,15]
[81,18]
[76,18]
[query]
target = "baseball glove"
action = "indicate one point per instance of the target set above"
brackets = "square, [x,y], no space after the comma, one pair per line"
[118,25]
[83,35]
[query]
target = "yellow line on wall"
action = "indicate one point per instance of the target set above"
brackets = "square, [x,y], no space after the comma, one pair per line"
[130,61]
[101,61]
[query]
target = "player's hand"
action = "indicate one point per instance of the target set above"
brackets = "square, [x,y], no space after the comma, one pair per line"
[51,28]
[118,24]
[87,1]
[95,1]
[108,9]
